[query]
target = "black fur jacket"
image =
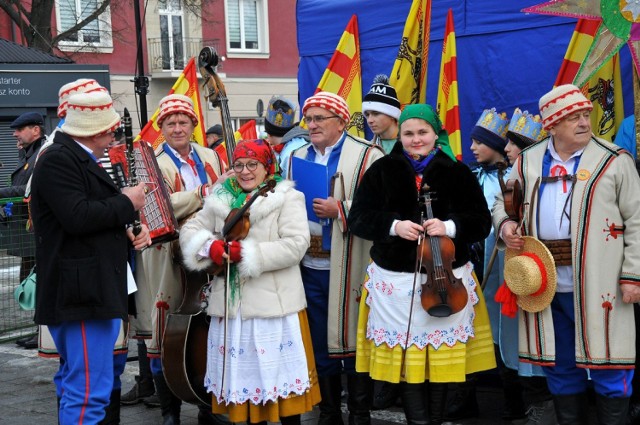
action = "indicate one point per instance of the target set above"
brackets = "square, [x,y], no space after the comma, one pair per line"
[388,192]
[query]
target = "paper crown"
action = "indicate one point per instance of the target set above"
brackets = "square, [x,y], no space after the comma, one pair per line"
[281,112]
[494,122]
[526,126]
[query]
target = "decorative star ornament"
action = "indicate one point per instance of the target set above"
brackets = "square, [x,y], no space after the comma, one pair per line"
[620,24]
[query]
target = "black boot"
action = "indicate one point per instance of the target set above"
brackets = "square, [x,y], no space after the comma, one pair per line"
[112,412]
[330,390]
[386,397]
[207,417]
[464,403]
[571,409]
[437,402]
[414,403]
[513,402]
[360,398]
[169,403]
[290,420]
[612,411]
[144,386]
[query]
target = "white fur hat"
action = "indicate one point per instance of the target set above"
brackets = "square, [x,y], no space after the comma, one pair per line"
[89,114]
[560,102]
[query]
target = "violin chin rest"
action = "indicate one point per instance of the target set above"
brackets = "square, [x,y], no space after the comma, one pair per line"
[440,310]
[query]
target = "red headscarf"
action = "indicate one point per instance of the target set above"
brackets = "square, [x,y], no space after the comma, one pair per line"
[259,150]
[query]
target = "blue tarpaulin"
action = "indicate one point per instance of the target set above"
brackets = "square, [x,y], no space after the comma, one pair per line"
[506,58]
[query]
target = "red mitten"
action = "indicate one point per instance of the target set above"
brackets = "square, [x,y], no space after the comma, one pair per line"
[234,251]
[215,252]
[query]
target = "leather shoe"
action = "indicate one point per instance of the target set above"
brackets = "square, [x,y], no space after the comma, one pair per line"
[31,343]
[23,340]
[206,417]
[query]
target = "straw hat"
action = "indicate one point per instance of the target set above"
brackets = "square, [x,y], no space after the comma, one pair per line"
[530,274]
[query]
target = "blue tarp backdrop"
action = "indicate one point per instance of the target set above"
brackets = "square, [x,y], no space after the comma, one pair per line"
[506,58]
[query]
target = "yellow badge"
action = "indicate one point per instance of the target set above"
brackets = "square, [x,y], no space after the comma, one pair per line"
[25,166]
[583,174]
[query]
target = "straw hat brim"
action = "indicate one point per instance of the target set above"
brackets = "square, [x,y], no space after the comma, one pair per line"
[537,303]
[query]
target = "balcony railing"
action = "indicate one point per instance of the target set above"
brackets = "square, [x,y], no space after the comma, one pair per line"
[166,56]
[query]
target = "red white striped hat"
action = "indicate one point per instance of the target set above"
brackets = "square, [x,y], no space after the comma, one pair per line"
[329,101]
[82,85]
[560,102]
[176,104]
[90,114]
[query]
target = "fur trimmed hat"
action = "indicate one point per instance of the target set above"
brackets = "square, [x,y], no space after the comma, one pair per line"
[280,116]
[90,114]
[560,102]
[82,85]
[176,104]
[382,98]
[329,101]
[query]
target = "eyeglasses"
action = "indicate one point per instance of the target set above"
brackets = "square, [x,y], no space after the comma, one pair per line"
[239,166]
[319,119]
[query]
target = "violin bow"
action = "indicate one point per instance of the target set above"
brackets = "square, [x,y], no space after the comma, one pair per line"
[416,271]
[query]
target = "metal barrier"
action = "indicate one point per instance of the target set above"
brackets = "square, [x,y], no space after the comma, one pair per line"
[17,258]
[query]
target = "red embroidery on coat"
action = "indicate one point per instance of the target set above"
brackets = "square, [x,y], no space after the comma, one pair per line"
[612,230]
[607,306]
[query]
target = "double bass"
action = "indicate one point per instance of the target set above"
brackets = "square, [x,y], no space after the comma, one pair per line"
[443,294]
[184,344]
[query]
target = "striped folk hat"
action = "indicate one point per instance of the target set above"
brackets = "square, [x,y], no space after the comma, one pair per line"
[82,85]
[329,101]
[176,104]
[560,102]
[90,114]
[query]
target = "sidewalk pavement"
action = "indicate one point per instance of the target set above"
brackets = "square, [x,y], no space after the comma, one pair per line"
[27,396]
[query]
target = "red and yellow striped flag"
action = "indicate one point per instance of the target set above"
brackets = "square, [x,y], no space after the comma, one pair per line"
[187,84]
[604,89]
[409,73]
[343,76]
[447,105]
[247,131]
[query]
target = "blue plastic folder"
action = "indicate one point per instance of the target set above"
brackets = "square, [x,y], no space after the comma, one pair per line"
[311,179]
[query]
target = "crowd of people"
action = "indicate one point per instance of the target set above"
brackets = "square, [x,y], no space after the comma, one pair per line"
[324,258]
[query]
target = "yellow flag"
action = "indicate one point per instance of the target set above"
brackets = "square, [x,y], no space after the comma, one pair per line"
[409,74]
[343,76]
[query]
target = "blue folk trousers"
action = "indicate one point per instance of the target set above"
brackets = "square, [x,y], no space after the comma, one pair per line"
[565,378]
[86,376]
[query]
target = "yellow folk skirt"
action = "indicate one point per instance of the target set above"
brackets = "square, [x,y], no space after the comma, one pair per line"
[293,405]
[446,364]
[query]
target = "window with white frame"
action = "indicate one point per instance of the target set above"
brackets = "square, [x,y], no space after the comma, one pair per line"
[96,34]
[171,34]
[247,26]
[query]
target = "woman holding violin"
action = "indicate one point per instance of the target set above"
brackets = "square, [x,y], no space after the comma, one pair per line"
[398,339]
[260,364]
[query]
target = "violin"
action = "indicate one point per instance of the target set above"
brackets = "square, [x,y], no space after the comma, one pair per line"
[236,225]
[511,194]
[443,294]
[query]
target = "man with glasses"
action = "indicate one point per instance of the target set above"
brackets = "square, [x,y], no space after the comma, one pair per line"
[188,170]
[333,268]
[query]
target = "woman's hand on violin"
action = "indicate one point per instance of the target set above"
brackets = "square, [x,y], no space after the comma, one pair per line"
[434,227]
[325,208]
[408,230]
[219,251]
[511,236]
